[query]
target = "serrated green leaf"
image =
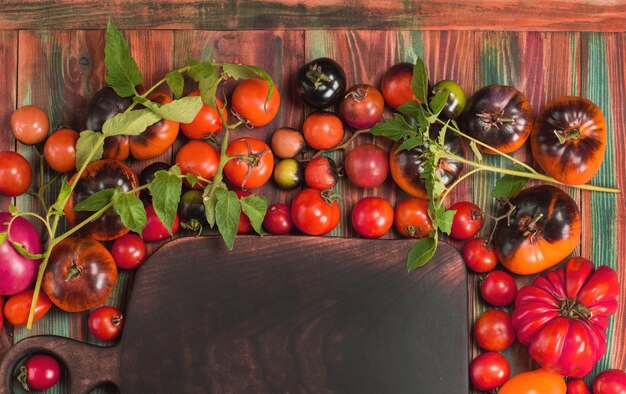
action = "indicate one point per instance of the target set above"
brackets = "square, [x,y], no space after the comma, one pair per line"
[165,189]
[441,139]
[410,143]
[191,179]
[438,102]
[133,122]
[209,205]
[509,185]
[395,128]
[182,110]
[176,82]
[255,207]
[419,81]
[65,191]
[200,70]
[12,209]
[227,210]
[22,250]
[421,253]
[443,219]
[474,147]
[412,109]
[122,71]
[96,201]
[208,88]
[130,209]
[87,140]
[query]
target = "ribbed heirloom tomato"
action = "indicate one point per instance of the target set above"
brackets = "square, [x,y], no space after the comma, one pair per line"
[253,171]
[249,100]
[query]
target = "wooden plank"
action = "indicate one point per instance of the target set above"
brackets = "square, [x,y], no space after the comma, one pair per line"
[549,15]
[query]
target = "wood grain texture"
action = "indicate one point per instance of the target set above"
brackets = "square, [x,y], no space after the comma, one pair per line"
[551,15]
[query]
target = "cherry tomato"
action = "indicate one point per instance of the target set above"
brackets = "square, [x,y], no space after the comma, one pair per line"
[155,230]
[489,370]
[493,330]
[611,381]
[287,143]
[191,210]
[129,251]
[577,386]
[241,172]
[288,174]
[39,372]
[147,175]
[479,256]
[323,130]
[321,173]
[411,218]
[314,212]
[372,217]
[30,124]
[367,165]
[105,323]
[15,174]
[249,101]
[17,307]
[277,220]
[468,220]
[396,85]
[158,138]
[535,382]
[60,150]
[198,158]
[498,288]
[244,226]
[456,98]
[321,83]
[206,122]
[362,106]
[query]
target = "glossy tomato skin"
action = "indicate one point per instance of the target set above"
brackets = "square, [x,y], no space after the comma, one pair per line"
[467,221]
[147,175]
[18,272]
[367,165]
[500,116]
[534,382]
[493,330]
[1,312]
[191,207]
[243,174]
[577,386]
[322,130]
[372,217]
[498,288]
[198,158]
[100,175]
[321,173]
[411,218]
[569,139]
[456,98]
[611,381]
[116,147]
[206,122]
[17,307]
[249,101]
[288,174]
[277,220]
[396,85]
[287,143]
[155,230]
[104,105]
[42,371]
[129,251]
[543,230]
[315,213]
[156,139]
[362,106]
[106,323]
[60,150]
[30,124]
[80,274]
[321,83]
[562,315]
[15,174]
[489,370]
[479,256]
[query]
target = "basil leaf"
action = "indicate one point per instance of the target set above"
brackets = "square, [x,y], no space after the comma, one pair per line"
[438,102]
[86,141]
[182,110]
[419,81]
[122,70]
[395,128]
[176,83]
[255,207]
[227,210]
[96,201]
[133,122]
[509,185]
[165,189]
[22,250]
[421,253]
[131,211]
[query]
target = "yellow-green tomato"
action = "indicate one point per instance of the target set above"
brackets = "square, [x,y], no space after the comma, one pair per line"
[288,174]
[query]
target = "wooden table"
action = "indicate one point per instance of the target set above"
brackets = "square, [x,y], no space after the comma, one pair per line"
[52,56]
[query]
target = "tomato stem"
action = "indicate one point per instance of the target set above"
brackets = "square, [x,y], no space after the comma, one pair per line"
[344,145]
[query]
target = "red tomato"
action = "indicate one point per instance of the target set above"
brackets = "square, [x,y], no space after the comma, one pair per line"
[129,251]
[30,124]
[489,370]
[468,220]
[577,386]
[42,371]
[252,172]
[411,218]
[314,212]
[249,100]
[611,381]
[155,230]
[156,139]
[198,158]
[362,106]
[15,174]
[396,85]
[323,130]
[206,122]
[538,381]
[105,323]
[498,288]
[277,220]
[479,256]
[116,147]
[372,217]
[367,165]
[244,226]
[60,150]
[493,330]
[17,307]
[321,173]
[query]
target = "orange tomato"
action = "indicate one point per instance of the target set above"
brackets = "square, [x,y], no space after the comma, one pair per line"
[538,381]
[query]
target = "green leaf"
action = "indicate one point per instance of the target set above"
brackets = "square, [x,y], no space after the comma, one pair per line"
[87,140]
[208,88]
[192,179]
[443,219]
[12,209]
[200,70]
[22,250]
[165,189]
[131,211]
[255,207]
[441,139]
[410,143]
[176,82]
[412,109]
[133,122]
[421,253]
[65,191]
[419,81]
[509,185]
[438,102]
[183,110]
[96,201]
[227,210]
[122,70]
[395,129]
[474,147]
[209,205]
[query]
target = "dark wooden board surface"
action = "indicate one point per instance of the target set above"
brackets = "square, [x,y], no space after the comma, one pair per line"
[281,314]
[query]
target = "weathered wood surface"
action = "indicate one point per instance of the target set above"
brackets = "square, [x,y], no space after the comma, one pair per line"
[535,15]
[60,70]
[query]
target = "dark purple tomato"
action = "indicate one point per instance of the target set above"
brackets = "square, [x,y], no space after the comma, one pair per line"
[321,83]
[104,105]
[277,219]
[456,98]
[367,165]
[147,175]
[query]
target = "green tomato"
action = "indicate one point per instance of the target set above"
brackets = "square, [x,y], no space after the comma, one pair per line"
[288,174]
[456,98]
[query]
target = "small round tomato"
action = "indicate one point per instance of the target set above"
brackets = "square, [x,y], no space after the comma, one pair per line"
[456,98]
[577,386]
[479,256]
[206,122]
[372,217]
[191,210]
[105,323]
[493,330]
[288,174]
[321,173]
[39,372]
[129,251]
[535,382]
[367,165]
[244,226]
[250,102]
[198,158]
[30,124]
[411,218]
[287,143]
[156,139]
[323,130]
[498,288]
[611,381]
[17,307]
[155,230]
[467,221]
[320,83]
[277,220]
[396,85]
[314,212]
[60,150]
[253,171]
[362,106]
[15,174]
[489,370]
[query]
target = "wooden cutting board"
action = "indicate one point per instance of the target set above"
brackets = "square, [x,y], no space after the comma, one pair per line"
[280,314]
